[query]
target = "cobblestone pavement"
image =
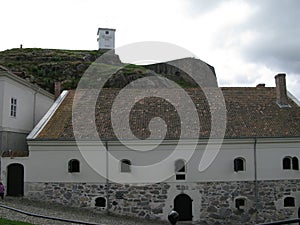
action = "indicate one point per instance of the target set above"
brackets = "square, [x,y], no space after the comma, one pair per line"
[55,210]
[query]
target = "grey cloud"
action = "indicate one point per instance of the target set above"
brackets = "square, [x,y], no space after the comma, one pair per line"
[277,24]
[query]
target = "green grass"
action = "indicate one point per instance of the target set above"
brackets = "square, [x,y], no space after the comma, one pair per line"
[10,222]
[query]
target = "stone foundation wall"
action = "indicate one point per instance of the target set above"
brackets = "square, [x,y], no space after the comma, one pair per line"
[141,201]
[264,204]
[213,202]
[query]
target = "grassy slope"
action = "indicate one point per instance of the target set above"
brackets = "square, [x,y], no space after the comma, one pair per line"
[45,66]
[10,222]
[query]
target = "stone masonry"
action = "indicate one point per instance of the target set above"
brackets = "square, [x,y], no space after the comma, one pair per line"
[215,202]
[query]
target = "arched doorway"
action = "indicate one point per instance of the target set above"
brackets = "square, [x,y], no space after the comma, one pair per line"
[15,180]
[183,205]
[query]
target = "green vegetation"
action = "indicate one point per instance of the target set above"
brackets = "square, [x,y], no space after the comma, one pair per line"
[10,222]
[45,66]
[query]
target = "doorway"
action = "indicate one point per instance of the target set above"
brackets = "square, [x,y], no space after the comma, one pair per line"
[15,180]
[183,205]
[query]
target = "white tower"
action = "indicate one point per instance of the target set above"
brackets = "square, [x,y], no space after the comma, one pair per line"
[106,38]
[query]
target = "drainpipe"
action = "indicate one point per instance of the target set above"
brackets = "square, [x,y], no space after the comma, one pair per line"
[34,109]
[107,180]
[255,180]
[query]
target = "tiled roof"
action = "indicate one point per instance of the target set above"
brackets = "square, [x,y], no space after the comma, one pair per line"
[251,112]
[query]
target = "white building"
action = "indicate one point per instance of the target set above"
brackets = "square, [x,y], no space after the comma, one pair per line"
[106,38]
[22,105]
[254,178]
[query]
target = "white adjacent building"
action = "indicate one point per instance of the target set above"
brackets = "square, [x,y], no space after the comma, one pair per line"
[254,178]
[22,105]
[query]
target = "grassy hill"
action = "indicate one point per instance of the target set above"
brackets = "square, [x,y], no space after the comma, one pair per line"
[45,66]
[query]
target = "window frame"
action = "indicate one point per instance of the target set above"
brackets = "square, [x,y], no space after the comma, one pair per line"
[180,173]
[290,163]
[13,107]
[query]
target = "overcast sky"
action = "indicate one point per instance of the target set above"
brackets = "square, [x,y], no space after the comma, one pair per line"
[247,41]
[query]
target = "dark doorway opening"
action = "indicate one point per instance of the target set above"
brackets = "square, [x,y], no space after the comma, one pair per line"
[299,214]
[183,205]
[15,180]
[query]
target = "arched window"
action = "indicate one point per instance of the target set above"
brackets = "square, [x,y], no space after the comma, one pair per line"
[74,166]
[125,166]
[180,169]
[289,202]
[100,202]
[289,163]
[239,164]
[295,163]
[240,203]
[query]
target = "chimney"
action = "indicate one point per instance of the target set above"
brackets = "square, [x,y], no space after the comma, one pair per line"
[261,85]
[57,89]
[281,94]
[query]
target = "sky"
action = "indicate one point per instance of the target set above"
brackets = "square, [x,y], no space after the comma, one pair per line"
[247,41]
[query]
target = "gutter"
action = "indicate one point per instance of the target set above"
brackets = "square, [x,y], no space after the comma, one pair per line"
[255,179]
[107,179]
[34,108]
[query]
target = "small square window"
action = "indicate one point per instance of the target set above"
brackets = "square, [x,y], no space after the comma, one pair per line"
[100,202]
[180,176]
[240,203]
[289,202]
